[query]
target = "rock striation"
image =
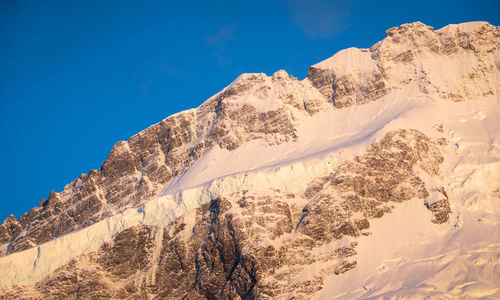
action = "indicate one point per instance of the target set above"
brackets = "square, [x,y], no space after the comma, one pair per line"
[251,244]
[255,106]
[415,53]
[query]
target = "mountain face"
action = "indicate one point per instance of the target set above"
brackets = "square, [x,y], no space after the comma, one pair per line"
[378,175]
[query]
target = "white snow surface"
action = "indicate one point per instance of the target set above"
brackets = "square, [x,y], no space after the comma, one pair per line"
[463,27]
[349,60]
[409,257]
[345,133]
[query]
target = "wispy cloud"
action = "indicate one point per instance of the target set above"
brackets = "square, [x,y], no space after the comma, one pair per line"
[218,43]
[222,36]
[320,18]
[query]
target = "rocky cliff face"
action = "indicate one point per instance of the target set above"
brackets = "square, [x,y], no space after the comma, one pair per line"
[251,244]
[268,239]
[415,53]
[259,107]
[139,168]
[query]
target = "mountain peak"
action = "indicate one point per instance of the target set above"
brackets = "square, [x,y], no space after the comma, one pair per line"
[467,27]
[407,28]
[414,53]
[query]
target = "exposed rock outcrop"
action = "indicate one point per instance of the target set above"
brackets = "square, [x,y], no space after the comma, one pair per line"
[415,54]
[255,244]
[255,106]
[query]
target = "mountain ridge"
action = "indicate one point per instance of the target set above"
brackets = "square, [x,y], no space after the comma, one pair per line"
[268,115]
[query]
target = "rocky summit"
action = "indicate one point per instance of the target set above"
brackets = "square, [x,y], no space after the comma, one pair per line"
[378,175]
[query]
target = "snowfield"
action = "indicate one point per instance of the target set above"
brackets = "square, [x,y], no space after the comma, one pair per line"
[406,253]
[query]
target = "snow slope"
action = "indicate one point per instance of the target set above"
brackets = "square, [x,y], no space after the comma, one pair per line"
[406,258]
[338,134]
[472,172]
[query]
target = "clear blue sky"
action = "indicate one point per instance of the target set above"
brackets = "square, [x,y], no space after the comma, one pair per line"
[78,76]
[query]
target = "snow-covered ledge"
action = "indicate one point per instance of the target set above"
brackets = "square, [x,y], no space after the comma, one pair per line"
[36,263]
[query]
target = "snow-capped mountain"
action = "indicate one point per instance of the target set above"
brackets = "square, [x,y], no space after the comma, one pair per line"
[378,175]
